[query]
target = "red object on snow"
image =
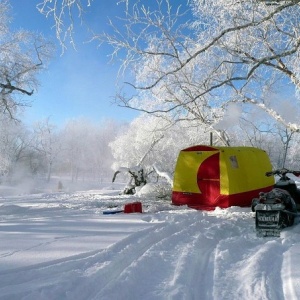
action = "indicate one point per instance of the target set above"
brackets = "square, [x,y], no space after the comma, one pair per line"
[134,207]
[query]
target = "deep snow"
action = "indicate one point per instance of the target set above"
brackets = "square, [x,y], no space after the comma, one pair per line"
[62,246]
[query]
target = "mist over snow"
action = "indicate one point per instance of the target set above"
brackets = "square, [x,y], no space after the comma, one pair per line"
[60,245]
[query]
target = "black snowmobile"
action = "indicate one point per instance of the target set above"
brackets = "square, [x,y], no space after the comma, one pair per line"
[277,209]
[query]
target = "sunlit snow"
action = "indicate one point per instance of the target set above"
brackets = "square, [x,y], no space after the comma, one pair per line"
[61,246]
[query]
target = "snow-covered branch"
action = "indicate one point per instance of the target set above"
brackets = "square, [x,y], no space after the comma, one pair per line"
[190,60]
[23,55]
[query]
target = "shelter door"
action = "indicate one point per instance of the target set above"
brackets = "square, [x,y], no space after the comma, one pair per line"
[208,179]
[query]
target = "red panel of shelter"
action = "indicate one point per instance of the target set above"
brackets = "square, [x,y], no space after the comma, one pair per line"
[208,179]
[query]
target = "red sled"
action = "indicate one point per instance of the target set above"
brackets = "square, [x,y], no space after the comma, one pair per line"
[134,207]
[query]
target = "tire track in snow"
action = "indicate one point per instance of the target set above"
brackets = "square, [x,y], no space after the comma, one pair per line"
[106,269]
[192,244]
[118,272]
[259,261]
[266,264]
[291,274]
[196,280]
[54,240]
[290,271]
[168,272]
[193,255]
[111,260]
[127,270]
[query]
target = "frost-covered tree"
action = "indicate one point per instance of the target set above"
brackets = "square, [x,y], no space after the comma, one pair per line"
[194,61]
[190,62]
[293,157]
[15,149]
[154,142]
[85,150]
[22,55]
[268,135]
[100,154]
[75,139]
[47,143]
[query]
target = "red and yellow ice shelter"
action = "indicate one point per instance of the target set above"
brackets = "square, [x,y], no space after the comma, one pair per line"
[207,177]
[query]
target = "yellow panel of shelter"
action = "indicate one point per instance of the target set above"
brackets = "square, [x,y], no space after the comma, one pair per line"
[185,176]
[243,169]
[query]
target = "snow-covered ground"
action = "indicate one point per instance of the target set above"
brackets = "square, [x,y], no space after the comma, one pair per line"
[62,246]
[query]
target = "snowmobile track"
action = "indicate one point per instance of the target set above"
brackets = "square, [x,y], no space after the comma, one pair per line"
[184,255]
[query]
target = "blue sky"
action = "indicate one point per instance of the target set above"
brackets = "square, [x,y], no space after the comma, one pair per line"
[78,83]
